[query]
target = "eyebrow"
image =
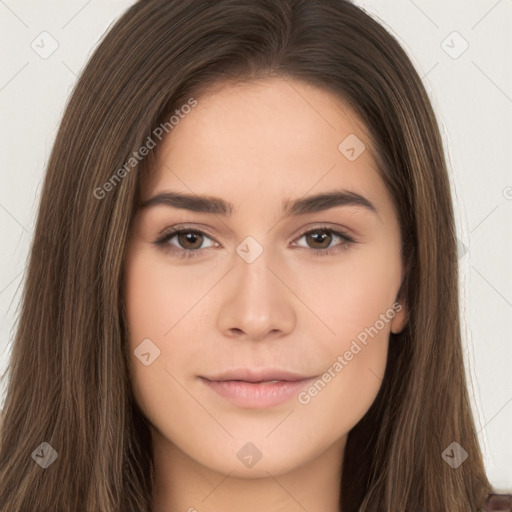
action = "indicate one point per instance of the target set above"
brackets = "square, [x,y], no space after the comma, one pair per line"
[301,206]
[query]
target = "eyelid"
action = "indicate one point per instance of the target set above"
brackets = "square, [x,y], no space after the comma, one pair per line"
[177,228]
[204,230]
[326,226]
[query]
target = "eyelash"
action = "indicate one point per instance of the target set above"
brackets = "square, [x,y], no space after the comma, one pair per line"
[162,241]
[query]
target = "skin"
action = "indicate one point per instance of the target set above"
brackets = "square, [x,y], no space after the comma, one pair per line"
[256,145]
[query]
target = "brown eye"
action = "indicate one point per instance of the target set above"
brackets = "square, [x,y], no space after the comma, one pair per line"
[189,242]
[184,242]
[319,241]
[321,238]
[190,239]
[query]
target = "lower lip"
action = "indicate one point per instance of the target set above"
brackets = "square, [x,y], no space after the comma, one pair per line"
[258,395]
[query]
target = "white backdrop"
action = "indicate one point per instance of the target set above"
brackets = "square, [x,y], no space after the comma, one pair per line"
[462,49]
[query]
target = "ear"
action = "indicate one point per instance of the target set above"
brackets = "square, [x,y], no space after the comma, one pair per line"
[399,321]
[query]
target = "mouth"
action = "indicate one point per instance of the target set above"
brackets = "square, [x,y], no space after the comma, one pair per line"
[258,375]
[257,389]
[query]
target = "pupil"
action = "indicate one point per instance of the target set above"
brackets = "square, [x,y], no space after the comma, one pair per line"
[189,239]
[320,234]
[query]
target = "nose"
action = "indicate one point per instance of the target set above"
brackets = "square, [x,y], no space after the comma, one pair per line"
[257,301]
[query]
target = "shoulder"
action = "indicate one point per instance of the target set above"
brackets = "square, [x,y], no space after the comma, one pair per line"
[498,503]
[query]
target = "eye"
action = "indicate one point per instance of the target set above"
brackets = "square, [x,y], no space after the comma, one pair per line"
[189,241]
[323,236]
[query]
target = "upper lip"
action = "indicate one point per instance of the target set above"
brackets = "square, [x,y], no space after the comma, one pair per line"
[258,375]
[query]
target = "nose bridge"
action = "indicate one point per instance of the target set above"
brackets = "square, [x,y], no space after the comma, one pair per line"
[256,281]
[257,302]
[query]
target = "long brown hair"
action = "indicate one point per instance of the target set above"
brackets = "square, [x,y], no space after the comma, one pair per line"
[68,379]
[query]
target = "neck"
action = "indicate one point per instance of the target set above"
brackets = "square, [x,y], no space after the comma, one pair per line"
[182,484]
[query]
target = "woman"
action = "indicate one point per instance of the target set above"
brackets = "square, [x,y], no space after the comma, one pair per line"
[147,374]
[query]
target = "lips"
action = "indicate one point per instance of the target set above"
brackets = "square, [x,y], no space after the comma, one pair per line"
[259,375]
[257,388]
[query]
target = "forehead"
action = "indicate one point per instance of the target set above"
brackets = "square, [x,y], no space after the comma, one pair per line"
[273,138]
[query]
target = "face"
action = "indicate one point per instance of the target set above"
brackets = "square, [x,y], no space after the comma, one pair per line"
[253,288]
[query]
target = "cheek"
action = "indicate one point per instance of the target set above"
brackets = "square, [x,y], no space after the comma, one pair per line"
[143,298]
[158,298]
[355,299]
[352,294]
[354,357]
[159,295]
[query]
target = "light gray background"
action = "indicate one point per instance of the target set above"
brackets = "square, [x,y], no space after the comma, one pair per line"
[472,95]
